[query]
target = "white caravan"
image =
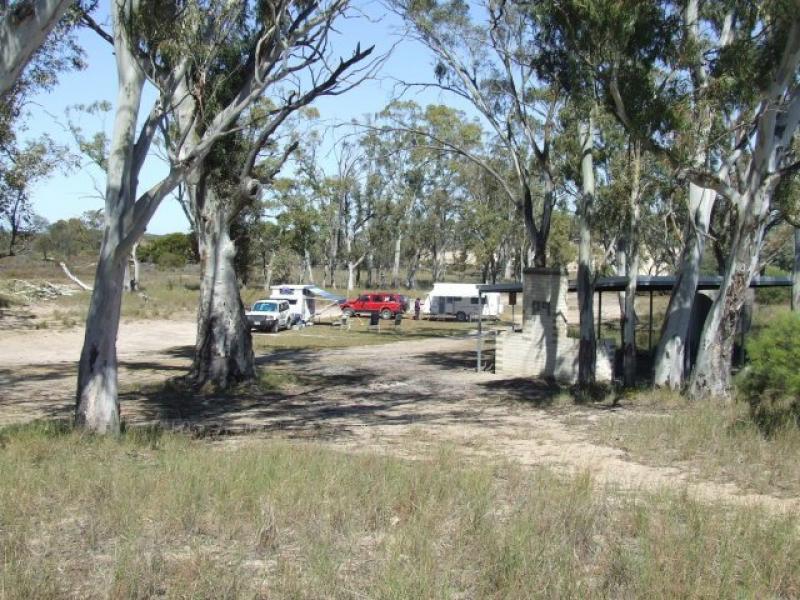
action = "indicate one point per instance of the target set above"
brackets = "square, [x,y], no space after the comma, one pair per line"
[301,299]
[460,300]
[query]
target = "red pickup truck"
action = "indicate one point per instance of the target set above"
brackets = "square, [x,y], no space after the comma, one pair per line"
[384,303]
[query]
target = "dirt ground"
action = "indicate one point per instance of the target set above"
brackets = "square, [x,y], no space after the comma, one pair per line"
[401,398]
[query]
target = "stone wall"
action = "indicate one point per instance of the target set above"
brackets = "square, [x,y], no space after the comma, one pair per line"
[542,349]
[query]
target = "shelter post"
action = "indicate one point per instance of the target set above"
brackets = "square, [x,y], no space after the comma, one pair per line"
[599,313]
[650,334]
[480,329]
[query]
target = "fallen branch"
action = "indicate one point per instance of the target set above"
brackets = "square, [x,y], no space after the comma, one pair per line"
[74,279]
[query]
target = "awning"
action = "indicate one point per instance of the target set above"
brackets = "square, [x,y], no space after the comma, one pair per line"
[317,291]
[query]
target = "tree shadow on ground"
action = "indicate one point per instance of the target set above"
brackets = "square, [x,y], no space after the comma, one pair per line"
[534,393]
[466,360]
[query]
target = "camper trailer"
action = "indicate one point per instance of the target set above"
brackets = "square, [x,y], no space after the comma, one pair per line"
[460,300]
[305,301]
[301,299]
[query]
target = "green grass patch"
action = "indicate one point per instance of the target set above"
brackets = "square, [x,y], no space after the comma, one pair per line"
[718,441]
[157,514]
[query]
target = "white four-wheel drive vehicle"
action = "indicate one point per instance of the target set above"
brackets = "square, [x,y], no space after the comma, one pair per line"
[269,315]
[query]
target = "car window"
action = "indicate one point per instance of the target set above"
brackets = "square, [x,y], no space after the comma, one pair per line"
[265,306]
[363,298]
[292,302]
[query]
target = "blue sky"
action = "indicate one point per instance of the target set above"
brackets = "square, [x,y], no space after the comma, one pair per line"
[67,195]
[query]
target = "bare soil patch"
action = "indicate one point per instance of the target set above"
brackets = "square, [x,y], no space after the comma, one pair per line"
[400,398]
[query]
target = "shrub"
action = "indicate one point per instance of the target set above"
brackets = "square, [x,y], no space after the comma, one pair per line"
[180,244]
[170,260]
[771,382]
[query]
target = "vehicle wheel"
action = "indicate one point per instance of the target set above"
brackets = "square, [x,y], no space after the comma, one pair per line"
[386,314]
[461,316]
[348,312]
[274,328]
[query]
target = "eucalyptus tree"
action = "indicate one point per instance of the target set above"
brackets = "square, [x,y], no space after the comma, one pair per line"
[30,64]
[709,87]
[487,61]
[22,168]
[167,43]
[303,70]
[423,172]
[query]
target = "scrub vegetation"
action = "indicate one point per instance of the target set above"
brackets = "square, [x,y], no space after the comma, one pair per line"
[159,514]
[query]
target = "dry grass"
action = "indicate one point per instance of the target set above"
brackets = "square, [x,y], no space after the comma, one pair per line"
[359,334]
[164,515]
[717,441]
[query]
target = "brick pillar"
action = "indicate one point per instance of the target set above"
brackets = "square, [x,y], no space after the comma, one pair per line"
[545,300]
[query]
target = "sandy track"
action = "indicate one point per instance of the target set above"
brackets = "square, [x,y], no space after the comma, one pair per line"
[402,399]
[47,346]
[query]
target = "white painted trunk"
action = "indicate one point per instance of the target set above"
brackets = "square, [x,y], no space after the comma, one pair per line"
[587,349]
[670,356]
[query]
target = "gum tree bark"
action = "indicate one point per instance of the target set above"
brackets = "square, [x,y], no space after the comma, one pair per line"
[759,173]
[97,407]
[23,29]
[218,195]
[632,270]
[671,350]
[587,349]
[224,347]
[126,216]
[670,358]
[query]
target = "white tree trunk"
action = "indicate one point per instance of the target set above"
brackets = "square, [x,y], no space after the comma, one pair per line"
[23,29]
[508,273]
[97,403]
[398,244]
[632,271]
[135,281]
[621,266]
[712,372]
[671,351]
[351,276]
[587,349]
[224,347]
[97,408]
[308,272]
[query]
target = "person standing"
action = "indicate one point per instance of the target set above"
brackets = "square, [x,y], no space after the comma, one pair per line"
[416,309]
